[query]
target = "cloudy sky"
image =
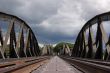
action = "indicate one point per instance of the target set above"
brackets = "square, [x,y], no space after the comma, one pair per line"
[55,20]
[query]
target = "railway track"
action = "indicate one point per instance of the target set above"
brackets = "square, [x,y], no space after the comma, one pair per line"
[25,65]
[89,66]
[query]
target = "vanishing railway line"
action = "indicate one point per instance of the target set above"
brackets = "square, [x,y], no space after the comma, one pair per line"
[88,66]
[20,53]
[25,65]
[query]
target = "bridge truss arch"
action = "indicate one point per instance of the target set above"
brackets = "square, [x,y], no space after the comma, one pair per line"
[16,38]
[89,44]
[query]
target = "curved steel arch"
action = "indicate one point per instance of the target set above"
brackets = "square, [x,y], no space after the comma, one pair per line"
[18,46]
[89,47]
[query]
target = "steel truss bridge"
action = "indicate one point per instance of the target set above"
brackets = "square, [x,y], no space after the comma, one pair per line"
[19,46]
[24,44]
[90,47]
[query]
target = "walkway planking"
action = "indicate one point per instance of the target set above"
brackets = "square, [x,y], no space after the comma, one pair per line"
[57,65]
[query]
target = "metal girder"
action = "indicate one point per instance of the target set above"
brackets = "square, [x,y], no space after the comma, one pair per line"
[66,49]
[1,41]
[12,45]
[32,45]
[97,47]
[99,42]
[19,42]
[27,45]
[47,50]
[91,44]
[84,43]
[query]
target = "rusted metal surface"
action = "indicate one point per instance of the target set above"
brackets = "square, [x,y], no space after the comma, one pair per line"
[17,65]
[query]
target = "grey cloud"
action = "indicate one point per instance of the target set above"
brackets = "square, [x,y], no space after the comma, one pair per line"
[50,37]
[34,11]
[55,20]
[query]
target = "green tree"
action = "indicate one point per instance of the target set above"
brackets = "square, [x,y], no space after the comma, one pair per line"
[59,46]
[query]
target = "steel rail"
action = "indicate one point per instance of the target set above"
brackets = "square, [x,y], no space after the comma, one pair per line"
[11,67]
[89,66]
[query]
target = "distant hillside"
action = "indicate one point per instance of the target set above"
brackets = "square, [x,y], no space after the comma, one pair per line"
[60,46]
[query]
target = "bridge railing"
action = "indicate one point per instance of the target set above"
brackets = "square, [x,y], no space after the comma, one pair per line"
[16,38]
[93,44]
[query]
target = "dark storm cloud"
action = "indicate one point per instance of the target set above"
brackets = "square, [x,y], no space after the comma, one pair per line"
[52,38]
[55,20]
[34,11]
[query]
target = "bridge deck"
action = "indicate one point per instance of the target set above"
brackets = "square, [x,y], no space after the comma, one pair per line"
[57,65]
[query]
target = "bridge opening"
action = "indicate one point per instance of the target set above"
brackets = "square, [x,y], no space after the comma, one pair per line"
[89,54]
